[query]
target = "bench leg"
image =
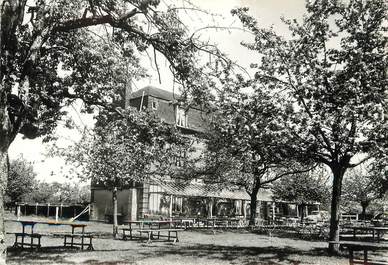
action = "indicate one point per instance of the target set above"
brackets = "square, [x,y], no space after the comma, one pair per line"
[15,244]
[351,258]
[176,237]
[90,246]
[365,257]
[82,242]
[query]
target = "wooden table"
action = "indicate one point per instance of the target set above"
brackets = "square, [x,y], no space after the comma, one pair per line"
[185,222]
[33,235]
[146,225]
[220,222]
[25,234]
[377,231]
[361,246]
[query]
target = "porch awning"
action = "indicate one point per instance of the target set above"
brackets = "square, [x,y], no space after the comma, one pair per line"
[212,191]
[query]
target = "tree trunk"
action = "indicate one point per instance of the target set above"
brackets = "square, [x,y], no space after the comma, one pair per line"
[301,212]
[3,185]
[338,173]
[4,166]
[253,206]
[115,223]
[364,205]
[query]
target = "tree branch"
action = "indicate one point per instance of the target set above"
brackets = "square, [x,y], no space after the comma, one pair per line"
[288,173]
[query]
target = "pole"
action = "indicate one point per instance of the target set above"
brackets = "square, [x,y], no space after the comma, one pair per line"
[141,102]
[273,211]
[56,213]
[211,208]
[244,208]
[18,212]
[170,208]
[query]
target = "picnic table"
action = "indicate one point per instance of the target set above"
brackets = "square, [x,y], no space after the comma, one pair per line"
[377,231]
[21,239]
[353,246]
[153,228]
[214,222]
[184,222]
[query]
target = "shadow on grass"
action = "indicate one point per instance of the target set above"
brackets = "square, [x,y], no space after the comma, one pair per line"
[246,255]
[57,255]
[216,253]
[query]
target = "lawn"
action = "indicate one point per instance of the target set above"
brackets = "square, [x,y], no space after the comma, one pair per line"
[195,247]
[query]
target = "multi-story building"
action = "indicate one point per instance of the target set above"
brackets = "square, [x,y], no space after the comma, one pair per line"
[175,198]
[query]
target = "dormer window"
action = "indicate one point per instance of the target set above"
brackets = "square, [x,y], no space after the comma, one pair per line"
[181,117]
[154,105]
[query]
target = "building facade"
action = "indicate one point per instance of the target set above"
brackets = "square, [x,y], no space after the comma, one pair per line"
[174,197]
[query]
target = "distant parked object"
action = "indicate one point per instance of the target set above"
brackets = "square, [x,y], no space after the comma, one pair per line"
[317,216]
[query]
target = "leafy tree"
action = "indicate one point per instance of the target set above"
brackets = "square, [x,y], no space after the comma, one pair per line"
[55,192]
[302,189]
[42,193]
[332,71]
[362,187]
[40,38]
[84,195]
[246,145]
[123,151]
[21,180]
[378,170]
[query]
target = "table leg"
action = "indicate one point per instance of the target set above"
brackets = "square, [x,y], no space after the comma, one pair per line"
[32,238]
[72,236]
[176,236]
[351,258]
[23,231]
[149,236]
[91,244]
[82,238]
[365,256]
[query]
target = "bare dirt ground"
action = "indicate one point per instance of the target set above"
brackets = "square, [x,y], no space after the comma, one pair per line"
[195,247]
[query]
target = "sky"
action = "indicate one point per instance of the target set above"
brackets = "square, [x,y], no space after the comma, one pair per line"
[267,13]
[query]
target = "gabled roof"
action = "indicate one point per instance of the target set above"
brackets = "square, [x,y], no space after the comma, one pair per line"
[155,92]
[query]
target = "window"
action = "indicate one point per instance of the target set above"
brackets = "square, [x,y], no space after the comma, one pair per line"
[180,158]
[159,203]
[154,105]
[181,117]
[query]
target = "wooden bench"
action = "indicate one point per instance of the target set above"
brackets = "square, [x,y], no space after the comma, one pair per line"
[130,235]
[362,246]
[32,243]
[171,233]
[84,240]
